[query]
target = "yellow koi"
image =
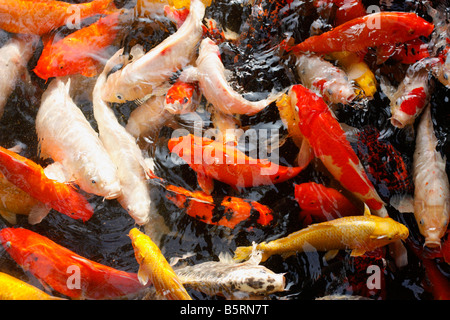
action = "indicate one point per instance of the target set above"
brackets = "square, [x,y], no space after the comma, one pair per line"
[359,233]
[154,267]
[15,289]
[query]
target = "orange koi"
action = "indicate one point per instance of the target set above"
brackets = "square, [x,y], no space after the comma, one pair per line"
[225,163]
[182,97]
[41,17]
[78,53]
[227,212]
[329,143]
[406,53]
[368,31]
[54,266]
[346,9]
[30,177]
[319,203]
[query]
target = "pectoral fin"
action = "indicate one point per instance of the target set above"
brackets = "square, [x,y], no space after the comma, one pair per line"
[357,252]
[143,276]
[9,216]
[206,183]
[330,255]
[37,213]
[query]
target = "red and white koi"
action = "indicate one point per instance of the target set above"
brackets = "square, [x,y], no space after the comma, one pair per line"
[322,77]
[14,56]
[182,97]
[329,143]
[142,76]
[124,152]
[66,136]
[212,80]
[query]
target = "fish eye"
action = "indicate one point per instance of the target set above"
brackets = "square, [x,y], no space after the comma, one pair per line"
[118,96]
[185,100]
[93,181]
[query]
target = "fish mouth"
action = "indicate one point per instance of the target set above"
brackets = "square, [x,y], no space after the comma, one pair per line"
[432,243]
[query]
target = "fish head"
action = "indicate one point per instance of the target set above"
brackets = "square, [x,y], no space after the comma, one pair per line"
[432,221]
[181,98]
[189,147]
[387,230]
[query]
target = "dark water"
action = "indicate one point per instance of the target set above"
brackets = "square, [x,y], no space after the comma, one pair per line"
[256,69]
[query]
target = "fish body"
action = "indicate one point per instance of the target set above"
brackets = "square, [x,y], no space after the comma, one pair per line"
[358,233]
[229,211]
[225,163]
[80,52]
[411,96]
[124,152]
[14,56]
[346,9]
[67,137]
[41,17]
[370,30]
[407,53]
[329,143]
[15,289]
[30,177]
[142,76]
[182,97]
[148,118]
[431,184]
[154,267]
[57,267]
[230,279]
[213,84]
[322,77]
[320,203]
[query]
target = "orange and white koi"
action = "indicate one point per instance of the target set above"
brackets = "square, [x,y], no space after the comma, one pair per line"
[142,76]
[431,184]
[15,289]
[148,118]
[14,56]
[329,143]
[66,136]
[53,265]
[215,160]
[360,234]
[411,96]
[153,266]
[124,152]
[228,212]
[371,30]
[230,279]
[346,9]
[182,97]
[80,52]
[30,177]
[319,203]
[322,77]
[213,84]
[41,17]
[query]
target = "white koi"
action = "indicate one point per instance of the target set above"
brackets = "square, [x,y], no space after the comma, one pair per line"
[124,152]
[141,77]
[66,136]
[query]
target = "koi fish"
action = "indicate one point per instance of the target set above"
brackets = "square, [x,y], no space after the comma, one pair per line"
[370,30]
[210,74]
[358,233]
[440,284]
[124,152]
[357,71]
[182,97]
[319,203]
[154,267]
[346,9]
[411,96]
[15,289]
[30,177]
[227,127]
[329,143]
[229,211]
[142,76]
[41,17]
[50,263]
[322,77]
[14,201]
[230,279]
[78,52]
[148,118]
[67,137]
[14,56]
[431,185]
[406,53]
[225,163]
